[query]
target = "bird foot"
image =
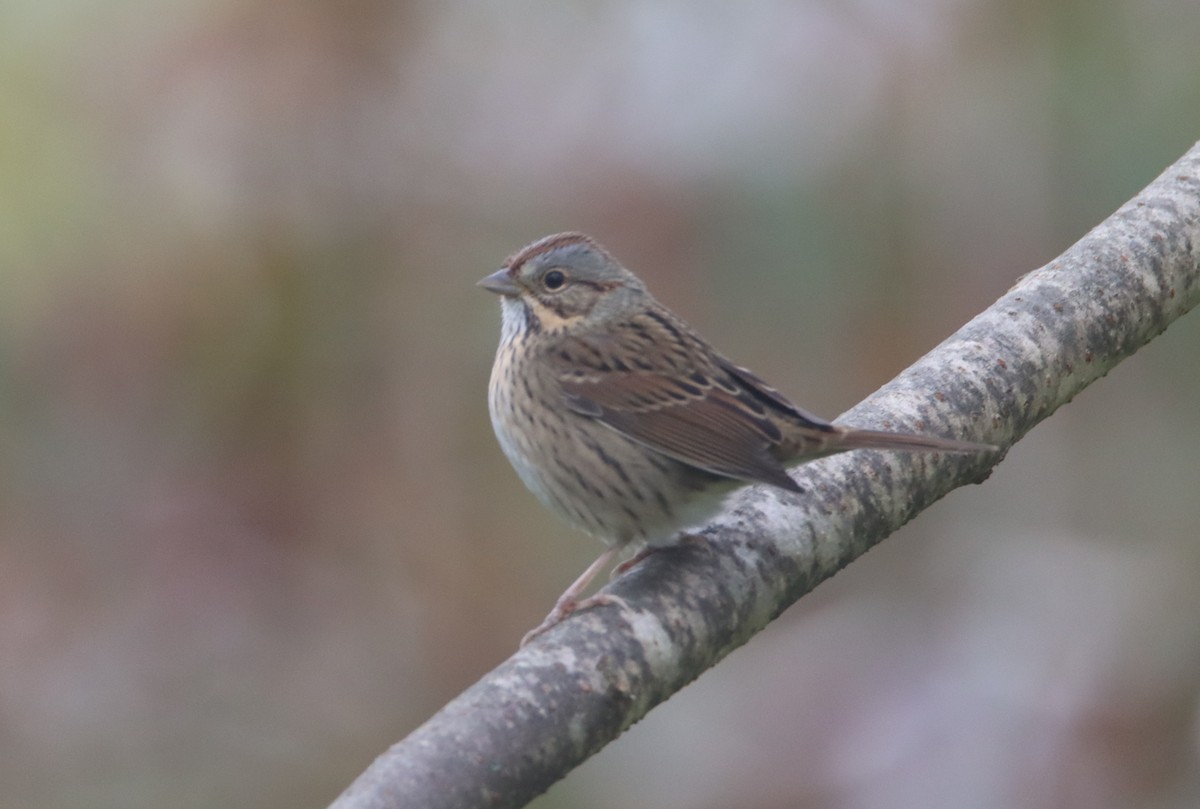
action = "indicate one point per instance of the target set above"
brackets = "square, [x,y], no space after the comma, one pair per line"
[649,550]
[627,565]
[567,607]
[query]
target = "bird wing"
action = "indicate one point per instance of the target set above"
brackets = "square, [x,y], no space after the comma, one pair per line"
[655,382]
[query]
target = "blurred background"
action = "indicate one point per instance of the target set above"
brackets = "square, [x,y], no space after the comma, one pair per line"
[254,525]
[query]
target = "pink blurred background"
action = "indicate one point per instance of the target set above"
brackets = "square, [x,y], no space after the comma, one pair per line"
[254,526]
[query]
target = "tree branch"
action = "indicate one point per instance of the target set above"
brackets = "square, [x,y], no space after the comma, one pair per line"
[559,700]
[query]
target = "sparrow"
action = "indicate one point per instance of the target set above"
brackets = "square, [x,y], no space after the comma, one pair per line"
[624,421]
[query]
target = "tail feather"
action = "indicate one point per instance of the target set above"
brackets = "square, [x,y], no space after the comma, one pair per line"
[878,439]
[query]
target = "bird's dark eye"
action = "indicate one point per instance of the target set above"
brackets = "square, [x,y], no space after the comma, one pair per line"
[554,280]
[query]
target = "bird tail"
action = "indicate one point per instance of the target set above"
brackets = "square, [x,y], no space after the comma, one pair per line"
[878,439]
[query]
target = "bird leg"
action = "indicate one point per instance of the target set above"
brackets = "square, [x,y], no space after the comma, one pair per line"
[628,564]
[569,601]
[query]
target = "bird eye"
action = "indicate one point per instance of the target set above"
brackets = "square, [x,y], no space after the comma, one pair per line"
[554,280]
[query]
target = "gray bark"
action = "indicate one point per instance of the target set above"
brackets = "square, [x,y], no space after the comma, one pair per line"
[577,687]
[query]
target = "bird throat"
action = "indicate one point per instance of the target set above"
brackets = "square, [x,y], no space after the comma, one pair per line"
[532,316]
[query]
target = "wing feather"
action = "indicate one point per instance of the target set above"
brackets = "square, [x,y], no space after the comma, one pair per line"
[671,394]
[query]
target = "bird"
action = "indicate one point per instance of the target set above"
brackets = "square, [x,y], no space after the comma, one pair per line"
[624,421]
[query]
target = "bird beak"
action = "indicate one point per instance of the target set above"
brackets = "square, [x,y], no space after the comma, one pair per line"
[500,283]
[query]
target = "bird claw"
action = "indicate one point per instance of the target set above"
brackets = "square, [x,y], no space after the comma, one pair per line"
[628,564]
[683,539]
[566,608]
